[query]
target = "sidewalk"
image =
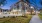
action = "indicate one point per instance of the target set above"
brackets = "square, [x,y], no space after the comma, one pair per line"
[36,19]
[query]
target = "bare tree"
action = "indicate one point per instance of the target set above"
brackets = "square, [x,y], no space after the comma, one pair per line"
[41,2]
[2,2]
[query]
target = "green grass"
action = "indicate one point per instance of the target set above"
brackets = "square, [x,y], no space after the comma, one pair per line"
[40,15]
[25,19]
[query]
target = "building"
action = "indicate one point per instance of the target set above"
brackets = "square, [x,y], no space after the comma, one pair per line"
[21,7]
[18,9]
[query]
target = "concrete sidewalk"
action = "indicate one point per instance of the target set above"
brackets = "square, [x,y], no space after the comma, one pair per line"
[36,19]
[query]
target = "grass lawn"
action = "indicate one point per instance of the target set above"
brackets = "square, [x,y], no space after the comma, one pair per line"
[16,19]
[40,15]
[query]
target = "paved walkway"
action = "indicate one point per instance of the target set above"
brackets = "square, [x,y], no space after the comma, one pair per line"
[36,19]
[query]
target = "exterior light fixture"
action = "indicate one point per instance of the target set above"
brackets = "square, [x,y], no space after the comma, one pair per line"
[31,9]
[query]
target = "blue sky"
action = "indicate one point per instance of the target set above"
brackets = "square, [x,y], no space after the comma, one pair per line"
[10,2]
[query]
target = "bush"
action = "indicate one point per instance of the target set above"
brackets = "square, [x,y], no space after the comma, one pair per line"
[17,19]
[3,16]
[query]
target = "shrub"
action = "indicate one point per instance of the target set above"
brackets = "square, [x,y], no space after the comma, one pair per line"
[3,16]
[18,19]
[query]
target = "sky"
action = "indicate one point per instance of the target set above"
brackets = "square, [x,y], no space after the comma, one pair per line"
[10,2]
[37,3]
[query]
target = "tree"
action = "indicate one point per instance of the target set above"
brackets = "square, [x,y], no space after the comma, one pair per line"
[2,2]
[41,10]
[41,2]
[28,1]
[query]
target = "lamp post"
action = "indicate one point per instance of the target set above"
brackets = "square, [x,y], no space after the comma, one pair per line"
[31,9]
